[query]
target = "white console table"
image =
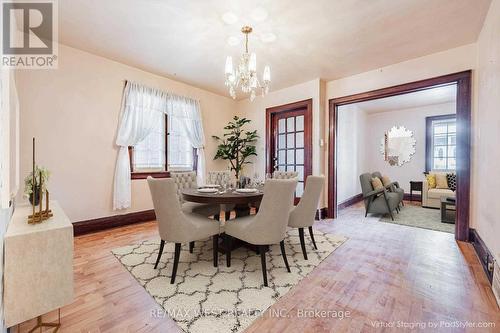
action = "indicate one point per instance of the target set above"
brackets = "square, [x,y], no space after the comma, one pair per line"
[38,271]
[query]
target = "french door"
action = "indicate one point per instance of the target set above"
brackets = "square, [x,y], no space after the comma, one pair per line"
[289,141]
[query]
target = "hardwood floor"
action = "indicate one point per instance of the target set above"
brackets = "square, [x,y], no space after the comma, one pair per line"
[384,273]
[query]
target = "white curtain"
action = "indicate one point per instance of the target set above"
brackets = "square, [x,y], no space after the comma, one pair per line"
[187,111]
[139,105]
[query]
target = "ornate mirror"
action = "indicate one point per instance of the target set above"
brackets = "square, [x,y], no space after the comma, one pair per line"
[398,146]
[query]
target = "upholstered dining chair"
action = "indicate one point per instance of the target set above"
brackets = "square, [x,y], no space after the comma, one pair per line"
[268,226]
[177,226]
[302,215]
[379,201]
[188,180]
[218,178]
[392,187]
[285,174]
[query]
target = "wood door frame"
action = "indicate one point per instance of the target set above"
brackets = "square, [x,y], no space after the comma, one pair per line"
[270,112]
[463,105]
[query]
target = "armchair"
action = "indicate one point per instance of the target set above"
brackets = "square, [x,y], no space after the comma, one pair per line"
[392,187]
[379,201]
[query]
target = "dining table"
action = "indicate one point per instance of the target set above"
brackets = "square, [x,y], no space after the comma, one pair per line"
[241,200]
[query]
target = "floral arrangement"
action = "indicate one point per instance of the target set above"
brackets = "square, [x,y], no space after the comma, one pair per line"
[28,181]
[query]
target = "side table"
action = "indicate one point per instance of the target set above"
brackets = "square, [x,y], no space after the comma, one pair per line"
[416,186]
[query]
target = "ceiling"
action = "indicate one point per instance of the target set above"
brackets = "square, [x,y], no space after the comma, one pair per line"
[188,40]
[438,95]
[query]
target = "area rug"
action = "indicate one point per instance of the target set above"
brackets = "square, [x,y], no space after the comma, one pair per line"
[221,299]
[415,216]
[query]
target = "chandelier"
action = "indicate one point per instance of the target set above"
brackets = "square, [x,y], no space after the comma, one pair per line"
[245,75]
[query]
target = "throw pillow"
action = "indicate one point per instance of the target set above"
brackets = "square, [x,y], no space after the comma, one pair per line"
[452,181]
[441,181]
[377,183]
[385,180]
[431,180]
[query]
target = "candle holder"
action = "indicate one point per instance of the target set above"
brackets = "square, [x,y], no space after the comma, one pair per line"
[39,214]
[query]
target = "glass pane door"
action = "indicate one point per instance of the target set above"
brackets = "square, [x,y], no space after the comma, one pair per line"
[290,148]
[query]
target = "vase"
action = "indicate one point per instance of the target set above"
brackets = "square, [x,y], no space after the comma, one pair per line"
[34,197]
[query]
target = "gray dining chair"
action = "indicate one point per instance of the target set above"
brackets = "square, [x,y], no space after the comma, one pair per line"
[188,180]
[177,226]
[302,216]
[268,226]
[379,201]
[218,178]
[285,174]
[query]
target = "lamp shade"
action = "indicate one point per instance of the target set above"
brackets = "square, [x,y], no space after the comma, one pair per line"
[252,65]
[229,65]
[266,76]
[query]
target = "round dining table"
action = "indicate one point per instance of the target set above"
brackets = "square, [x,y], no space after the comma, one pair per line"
[241,201]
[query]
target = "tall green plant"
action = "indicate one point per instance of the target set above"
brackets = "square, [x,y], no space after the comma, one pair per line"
[237,144]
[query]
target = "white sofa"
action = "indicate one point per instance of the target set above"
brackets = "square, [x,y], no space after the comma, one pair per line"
[431,197]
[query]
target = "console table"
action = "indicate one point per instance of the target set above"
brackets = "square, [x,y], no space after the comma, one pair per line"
[38,270]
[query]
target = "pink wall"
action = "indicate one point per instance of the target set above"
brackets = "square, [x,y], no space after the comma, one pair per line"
[73,112]
[486,158]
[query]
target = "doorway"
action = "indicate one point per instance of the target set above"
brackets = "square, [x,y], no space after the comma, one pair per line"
[289,140]
[462,81]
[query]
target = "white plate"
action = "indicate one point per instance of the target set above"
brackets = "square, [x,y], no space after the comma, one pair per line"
[246,190]
[208,190]
[211,186]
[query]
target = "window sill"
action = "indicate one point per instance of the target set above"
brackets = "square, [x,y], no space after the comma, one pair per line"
[144,175]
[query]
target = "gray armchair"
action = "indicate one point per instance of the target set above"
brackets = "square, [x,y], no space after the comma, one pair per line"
[392,187]
[379,201]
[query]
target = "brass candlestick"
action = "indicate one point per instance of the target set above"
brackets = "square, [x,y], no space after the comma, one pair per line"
[42,214]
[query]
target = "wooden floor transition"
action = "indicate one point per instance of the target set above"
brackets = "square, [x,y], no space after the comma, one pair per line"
[385,275]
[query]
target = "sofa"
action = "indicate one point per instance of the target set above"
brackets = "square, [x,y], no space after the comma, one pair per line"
[431,197]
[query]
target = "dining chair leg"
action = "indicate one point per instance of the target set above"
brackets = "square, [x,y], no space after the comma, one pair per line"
[177,254]
[262,250]
[283,254]
[160,251]
[302,242]
[215,239]
[312,237]
[227,245]
[191,247]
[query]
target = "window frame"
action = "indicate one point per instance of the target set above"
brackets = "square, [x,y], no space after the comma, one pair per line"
[429,137]
[157,174]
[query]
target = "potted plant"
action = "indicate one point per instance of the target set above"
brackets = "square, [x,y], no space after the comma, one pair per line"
[33,192]
[237,144]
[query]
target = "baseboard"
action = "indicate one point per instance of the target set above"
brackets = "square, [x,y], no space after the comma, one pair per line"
[321,213]
[483,253]
[103,223]
[351,201]
[416,197]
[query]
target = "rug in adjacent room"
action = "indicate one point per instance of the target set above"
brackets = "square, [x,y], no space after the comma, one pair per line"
[209,299]
[420,217]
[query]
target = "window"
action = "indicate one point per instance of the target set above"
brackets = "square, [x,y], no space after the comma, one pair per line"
[162,150]
[441,145]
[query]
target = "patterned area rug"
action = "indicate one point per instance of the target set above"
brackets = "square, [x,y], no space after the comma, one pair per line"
[415,216]
[221,299]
